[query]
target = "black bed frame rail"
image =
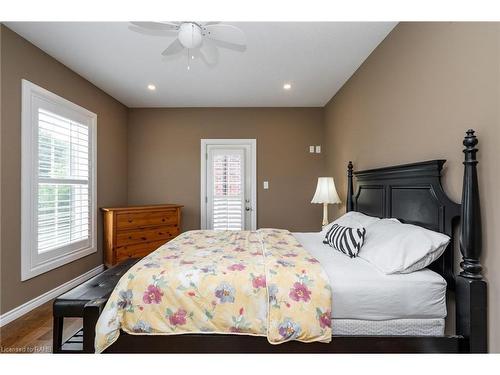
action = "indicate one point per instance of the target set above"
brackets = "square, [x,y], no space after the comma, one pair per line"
[470,288]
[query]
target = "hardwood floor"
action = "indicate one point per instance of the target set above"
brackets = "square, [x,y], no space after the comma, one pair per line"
[32,333]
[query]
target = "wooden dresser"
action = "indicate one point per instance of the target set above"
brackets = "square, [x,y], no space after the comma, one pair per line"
[132,232]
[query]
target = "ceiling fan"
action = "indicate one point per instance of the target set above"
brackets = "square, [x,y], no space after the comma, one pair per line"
[197,38]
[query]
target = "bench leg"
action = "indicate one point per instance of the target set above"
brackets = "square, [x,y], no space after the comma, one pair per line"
[57,333]
[91,313]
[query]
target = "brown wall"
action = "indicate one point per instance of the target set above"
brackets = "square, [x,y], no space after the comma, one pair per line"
[164,159]
[413,99]
[20,59]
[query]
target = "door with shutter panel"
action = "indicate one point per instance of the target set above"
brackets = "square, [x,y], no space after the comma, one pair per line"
[228,187]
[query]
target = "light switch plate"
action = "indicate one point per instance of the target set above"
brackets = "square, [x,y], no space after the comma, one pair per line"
[266,185]
[318,149]
[311,149]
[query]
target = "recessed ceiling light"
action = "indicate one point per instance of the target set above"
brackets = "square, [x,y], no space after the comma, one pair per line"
[151,87]
[287,86]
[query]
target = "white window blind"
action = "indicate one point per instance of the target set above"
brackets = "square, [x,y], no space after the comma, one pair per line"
[58,181]
[228,192]
[63,180]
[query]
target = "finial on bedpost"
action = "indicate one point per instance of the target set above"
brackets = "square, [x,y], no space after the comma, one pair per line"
[350,202]
[470,235]
[470,288]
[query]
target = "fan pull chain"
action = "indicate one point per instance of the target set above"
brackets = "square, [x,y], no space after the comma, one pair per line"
[192,43]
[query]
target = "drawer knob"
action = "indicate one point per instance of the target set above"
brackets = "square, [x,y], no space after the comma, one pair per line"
[163,220]
[143,238]
[129,220]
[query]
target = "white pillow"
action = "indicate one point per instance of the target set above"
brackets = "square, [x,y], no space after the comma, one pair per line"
[351,219]
[393,247]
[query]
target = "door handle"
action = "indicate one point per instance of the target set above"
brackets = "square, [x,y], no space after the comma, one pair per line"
[248,208]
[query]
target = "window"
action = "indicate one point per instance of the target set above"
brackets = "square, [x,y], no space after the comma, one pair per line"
[58,181]
[227,212]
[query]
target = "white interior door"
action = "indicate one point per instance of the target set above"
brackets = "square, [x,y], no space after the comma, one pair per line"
[228,185]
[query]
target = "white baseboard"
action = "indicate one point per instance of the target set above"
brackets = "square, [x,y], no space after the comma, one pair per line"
[25,308]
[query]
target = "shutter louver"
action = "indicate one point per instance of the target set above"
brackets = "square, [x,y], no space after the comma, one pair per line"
[228,192]
[64,199]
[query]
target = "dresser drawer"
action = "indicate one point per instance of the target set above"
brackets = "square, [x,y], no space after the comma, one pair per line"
[137,250]
[133,236]
[145,219]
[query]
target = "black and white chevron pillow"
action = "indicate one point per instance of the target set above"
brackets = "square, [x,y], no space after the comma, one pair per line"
[345,239]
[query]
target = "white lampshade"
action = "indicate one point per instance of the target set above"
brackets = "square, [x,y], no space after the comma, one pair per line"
[325,191]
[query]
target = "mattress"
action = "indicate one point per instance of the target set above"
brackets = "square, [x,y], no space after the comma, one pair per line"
[361,292]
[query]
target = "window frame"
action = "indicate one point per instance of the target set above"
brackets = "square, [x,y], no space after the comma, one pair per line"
[33,263]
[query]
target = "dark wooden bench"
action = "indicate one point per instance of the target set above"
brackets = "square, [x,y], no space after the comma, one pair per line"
[85,301]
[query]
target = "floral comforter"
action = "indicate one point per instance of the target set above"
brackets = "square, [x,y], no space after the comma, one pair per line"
[261,283]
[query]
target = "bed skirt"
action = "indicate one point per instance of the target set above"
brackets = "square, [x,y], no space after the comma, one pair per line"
[393,327]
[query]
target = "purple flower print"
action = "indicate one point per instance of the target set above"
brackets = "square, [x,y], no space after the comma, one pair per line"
[289,330]
[273,291]
[208,269]
[300,292]
[236,267]
[173,256]
[152,265]
[125,301]
[325,319]
[312,260]
[141,327]
[178,318]
[285,263]
[259,282]
[225,293]
[152,295]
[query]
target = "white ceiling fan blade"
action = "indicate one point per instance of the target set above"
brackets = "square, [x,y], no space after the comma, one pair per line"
[149,32]
[156,25]
[173,48]
[231,46]
[210,23]
[226,33]
[209,53]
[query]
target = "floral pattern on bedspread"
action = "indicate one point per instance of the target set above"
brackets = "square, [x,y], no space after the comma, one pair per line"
[261,283]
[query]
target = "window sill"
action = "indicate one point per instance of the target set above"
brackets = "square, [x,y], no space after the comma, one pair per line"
[38,269]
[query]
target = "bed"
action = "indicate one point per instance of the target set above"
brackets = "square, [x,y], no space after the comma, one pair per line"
[371,311]
[367,302]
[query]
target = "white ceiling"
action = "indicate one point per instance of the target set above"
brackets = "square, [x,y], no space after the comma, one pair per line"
[316,57]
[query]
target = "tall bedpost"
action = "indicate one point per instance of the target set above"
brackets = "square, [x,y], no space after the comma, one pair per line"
[350,202]
[470,286]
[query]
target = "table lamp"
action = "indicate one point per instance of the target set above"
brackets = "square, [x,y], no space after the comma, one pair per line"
[326,193]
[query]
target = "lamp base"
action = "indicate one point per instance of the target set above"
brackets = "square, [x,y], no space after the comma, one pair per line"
[325,214]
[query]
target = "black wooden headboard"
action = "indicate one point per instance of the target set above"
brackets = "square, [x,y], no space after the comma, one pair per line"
[413,194]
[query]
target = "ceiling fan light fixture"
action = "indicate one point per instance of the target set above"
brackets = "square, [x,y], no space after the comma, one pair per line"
[199,37]
[151,87]
[190,35]
[287,86]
